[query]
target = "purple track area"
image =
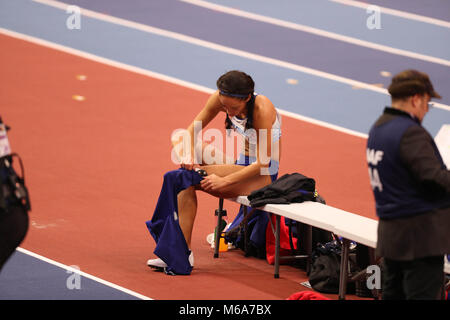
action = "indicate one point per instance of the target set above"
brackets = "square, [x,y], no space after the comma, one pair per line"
[320,53]
[438,9]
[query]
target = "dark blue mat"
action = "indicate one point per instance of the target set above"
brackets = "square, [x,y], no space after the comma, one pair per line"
[27,278]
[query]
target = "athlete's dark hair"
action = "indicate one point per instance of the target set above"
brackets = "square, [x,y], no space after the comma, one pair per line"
[238,85]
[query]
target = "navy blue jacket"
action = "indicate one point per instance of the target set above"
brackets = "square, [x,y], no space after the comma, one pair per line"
[407,173]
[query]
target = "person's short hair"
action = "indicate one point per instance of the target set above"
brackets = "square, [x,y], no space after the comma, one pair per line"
[411,82]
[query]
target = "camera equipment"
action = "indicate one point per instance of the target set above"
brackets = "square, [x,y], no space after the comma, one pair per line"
[13,191]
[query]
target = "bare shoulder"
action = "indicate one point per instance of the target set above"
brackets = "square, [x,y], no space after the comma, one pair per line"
[264,111]
[263,104]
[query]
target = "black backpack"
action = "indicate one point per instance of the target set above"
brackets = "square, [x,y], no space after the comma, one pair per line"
[325,268]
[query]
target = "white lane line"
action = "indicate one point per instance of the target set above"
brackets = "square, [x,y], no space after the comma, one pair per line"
[83,274]
[160,76]
[319,32]
[163,77]
[103,60]
[398,13]
[228,50]
[323,124]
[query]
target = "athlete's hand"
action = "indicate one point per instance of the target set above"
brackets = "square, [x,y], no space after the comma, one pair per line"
[213,183]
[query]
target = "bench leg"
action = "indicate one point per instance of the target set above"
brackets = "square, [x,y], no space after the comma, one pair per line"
[343,277]
[218,235]
[308,248]
[304,232]
[277,246]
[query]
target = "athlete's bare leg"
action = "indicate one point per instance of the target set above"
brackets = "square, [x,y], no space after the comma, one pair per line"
[187,199]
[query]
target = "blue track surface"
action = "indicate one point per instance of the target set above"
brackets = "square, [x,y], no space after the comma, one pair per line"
[321,53]
[438,9]
[351,21]
[26,278]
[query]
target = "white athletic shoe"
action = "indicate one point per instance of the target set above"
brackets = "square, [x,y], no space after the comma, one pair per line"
[191,259]
[156,263]
[159,264]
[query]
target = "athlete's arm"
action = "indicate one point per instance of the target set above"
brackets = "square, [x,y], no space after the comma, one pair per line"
[208,113]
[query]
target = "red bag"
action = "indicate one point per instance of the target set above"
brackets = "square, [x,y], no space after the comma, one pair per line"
[285,247]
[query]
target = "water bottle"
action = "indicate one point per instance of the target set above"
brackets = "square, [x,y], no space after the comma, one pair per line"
[222,225]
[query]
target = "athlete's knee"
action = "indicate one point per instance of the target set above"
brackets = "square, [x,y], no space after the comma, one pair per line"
[188,191]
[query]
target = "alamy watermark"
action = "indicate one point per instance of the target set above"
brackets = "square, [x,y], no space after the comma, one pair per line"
[73,282]
[374,19]
[374,280]
[73,22]
[224,150]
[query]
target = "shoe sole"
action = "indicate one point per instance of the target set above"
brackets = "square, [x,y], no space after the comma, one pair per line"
[159,269]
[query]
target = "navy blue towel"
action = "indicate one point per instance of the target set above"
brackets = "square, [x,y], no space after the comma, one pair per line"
[171,246]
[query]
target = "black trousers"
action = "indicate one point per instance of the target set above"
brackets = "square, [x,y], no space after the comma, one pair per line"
[13,228]
[420,279]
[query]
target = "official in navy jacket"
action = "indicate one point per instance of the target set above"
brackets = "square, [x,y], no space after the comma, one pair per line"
[411,186]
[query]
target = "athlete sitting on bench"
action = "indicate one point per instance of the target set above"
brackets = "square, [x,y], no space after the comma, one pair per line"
[250,115]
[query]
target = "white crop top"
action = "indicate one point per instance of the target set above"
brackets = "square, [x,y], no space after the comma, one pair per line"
[250,134]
